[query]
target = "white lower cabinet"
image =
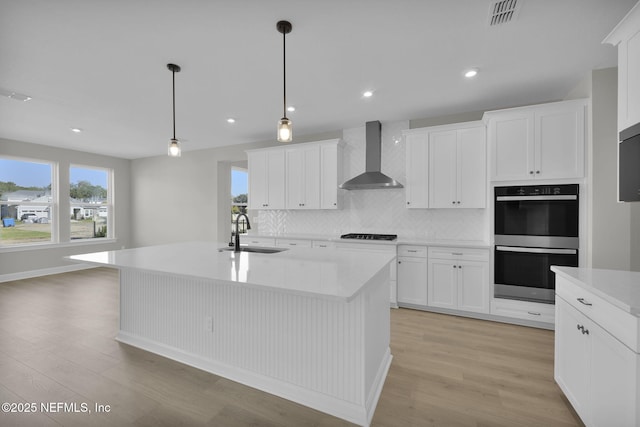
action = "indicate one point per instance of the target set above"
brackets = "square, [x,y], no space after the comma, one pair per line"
[412,275]
[526,310]
[267,242]
[458,279]
[293,243]
[599,374]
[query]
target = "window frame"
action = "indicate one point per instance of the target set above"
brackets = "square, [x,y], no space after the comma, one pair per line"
[53,205]
[109,203]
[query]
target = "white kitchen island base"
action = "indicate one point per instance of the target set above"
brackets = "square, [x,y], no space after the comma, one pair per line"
[329,353]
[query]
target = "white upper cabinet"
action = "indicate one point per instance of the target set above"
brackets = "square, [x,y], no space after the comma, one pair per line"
[446,166]
[626,35]
[417,181]
[297,176]
[303,177]
[331,174]
[544,141]
[266,179]
[457,167]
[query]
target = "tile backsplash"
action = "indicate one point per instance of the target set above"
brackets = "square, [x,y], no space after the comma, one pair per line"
[378,211]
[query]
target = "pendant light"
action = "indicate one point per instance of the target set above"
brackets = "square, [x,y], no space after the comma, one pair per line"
[284,125]
[174,145]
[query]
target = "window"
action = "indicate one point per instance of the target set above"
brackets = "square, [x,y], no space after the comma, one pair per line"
[27,207]
[239,197]
[90,202]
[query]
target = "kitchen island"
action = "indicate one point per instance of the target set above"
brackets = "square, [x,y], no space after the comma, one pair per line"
[308,325]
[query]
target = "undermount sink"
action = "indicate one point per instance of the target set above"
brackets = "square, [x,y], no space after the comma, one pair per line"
[254,249]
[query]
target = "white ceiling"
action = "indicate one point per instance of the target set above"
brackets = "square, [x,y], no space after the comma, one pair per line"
[100,65]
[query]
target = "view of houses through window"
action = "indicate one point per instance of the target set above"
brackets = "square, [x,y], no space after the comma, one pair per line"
[89,201]
[29,202]
[239,198]
[26,202]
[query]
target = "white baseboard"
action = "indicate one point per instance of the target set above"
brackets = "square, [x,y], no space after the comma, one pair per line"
[322,402]
[43,272]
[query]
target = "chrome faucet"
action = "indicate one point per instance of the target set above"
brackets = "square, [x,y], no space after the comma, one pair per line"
[237,242]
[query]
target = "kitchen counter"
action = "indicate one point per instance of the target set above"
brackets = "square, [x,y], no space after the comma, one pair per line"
[399,241]
[327,274]
[619,288]
[308,325]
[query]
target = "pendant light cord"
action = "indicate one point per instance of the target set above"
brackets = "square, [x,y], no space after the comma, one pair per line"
[173,73]
[284,73]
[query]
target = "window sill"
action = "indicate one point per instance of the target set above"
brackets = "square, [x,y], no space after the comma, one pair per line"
[45,246]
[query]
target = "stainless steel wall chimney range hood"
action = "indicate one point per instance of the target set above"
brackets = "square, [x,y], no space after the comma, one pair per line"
[372,178]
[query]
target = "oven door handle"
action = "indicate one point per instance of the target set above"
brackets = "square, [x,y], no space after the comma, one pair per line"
[537,250]
[541,198]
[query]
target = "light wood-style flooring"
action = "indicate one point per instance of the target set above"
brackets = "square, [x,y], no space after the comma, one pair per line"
[57,345]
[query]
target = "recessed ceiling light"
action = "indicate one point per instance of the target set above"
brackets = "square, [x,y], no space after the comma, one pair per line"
[367,94]
[291,108]
[471,73]
[76,130]
[231,120]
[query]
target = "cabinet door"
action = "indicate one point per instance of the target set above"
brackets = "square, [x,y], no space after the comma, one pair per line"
[442,286]
[417,185]
[628,82]
[275,179]
[473,286]
[311,177]
[512,151]
[258,187]
[614,372]
[442,169]
[412,280]
[572,355]
[295,179]
[559,142]
[303,178]
[329,176]
[472,168]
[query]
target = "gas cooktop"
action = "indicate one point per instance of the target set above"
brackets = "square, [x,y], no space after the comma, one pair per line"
[365,236]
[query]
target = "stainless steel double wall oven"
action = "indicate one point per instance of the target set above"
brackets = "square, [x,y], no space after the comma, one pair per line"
[535,227]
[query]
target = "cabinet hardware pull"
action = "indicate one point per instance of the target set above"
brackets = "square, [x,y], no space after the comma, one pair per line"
[537,171]
[399,262]
[411,250]
[408,203]
[454,202]
[456,253]
[581,300]
[585,331]
[531,172]
[455,266]
[533,313]
[458,201]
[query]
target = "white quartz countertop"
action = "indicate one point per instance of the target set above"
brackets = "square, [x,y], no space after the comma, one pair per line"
[399,241]
[620,288]
[337,274]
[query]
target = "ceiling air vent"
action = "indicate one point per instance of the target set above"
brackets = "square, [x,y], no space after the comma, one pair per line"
[503,11]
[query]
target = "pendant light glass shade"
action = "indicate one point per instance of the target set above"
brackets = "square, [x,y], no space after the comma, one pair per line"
[174,149]
[285,133]
[285,128]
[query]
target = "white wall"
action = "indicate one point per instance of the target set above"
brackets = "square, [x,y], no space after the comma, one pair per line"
[23,262]
[610,219]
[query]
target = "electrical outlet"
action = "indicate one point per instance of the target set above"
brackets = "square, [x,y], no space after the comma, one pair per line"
[208,322]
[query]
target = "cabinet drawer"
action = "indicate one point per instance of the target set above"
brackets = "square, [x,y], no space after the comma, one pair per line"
[324,244]
[258,241]
[622,325]
[288,243]
[468,254]
[523,310]
[412,251]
